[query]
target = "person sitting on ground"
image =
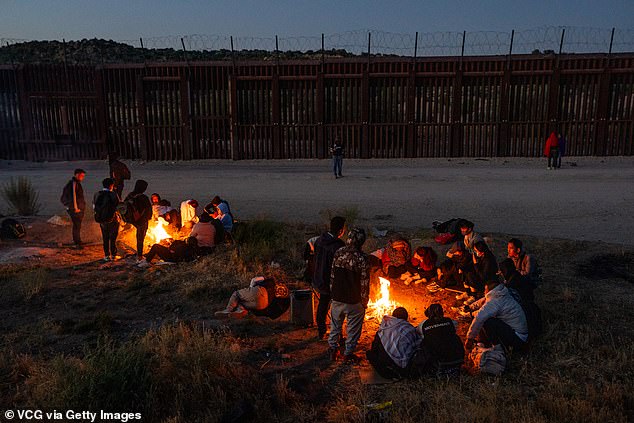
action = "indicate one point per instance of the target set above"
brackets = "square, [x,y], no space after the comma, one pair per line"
[325,248]
[470,236]
[219,209]
[457,269]
[394,345]
[423,265]
[524,292]
[188,214]
[254,298]
[443,348]
[485,268]
[205,233]
[155,199]
[525,263]
[177,252]
[499,319]
[350,288]
[170,215]
[396,257]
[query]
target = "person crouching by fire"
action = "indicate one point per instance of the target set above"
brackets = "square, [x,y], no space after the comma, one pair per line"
[350,292]
[394,345]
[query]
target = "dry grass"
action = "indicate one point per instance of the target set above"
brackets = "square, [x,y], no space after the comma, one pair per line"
[580,370]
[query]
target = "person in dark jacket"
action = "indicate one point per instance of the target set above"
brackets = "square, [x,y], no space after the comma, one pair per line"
[73,199]
[525,263]
[525,291]
[325,247]
[444,347]
[337,157]
[105,204]
[562,149]
[142,204]
[457,269]
[350,292]
[119,172]
[177,252]
[485,269]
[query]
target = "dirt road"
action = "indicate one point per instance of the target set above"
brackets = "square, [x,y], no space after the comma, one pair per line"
[587,199]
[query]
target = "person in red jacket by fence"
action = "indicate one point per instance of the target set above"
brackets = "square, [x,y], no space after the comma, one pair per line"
[551,150]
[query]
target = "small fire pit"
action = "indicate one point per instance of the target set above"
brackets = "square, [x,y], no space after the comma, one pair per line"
[382,305]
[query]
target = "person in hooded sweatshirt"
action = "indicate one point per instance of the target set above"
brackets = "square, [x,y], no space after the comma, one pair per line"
[551,150]
[499,319]
[485,268]
[324,251]
[394,345]
[143,207]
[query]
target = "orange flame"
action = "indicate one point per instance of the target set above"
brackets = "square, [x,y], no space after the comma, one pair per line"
[157,233]
[383,305]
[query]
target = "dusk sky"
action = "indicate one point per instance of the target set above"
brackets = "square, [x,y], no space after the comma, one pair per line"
[130,19]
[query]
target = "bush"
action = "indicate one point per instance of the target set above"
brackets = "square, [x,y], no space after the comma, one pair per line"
[261,241]
[21,195]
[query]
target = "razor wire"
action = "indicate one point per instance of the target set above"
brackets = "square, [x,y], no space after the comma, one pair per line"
[422,44]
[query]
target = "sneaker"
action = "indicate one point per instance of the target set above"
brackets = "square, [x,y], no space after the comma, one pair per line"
[321,336]
[143,264]
[224,314]
[419,281]
[333,353]
[407,281]
[238,314]
[106,259]
[351,359]
[405,275]
[432,286]
[462,296]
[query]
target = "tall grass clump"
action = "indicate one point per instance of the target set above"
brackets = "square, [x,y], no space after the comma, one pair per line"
[21,196]
[261,241]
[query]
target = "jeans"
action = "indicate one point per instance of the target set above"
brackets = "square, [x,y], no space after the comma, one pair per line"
[163,252]
[337,164]
[109,233]
[354,313]
[76,218]
[141,230]
[322,312]
[498,332]
[553,157]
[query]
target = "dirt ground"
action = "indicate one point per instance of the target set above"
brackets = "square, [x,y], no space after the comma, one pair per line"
[589,198]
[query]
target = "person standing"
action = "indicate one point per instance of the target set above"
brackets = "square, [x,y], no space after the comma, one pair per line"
[142,209]
[325,248]
[337,157]
[350,290]
[73,199]
[105,204]
[551,150]
[562,149]
[119,172]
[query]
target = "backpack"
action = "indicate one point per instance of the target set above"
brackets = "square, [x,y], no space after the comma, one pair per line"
[129,211]
[12,229]
[104,209]
[489,360]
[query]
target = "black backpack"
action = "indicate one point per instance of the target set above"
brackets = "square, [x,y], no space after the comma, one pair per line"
[129,211]
[104,208]
[12,229]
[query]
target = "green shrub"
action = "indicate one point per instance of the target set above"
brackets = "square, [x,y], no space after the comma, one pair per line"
[21,196]
[261,241]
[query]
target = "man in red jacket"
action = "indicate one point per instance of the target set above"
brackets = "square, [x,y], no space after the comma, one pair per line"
[551,150]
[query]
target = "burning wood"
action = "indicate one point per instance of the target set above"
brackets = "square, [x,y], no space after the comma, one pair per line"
[157,232]
[382,305]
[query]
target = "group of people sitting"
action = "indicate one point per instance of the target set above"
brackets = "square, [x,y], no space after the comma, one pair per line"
[193,234]
[499,297]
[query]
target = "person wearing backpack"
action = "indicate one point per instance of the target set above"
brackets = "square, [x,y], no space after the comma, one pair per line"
[119,172]
[73,199]
[105,204]
[139,213]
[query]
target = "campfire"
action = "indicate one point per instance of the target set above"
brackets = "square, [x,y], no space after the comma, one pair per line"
[157,232]
[382,305]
